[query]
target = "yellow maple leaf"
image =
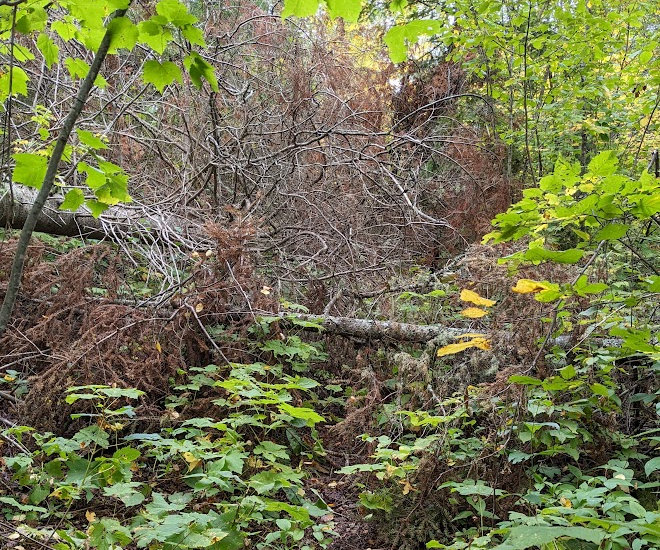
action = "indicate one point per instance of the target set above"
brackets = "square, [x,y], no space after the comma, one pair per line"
[474,298]
[474,312]
[91,516]
[192,460]
[527,286]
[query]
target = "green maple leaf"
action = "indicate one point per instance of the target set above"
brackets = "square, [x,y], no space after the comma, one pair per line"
[161,74]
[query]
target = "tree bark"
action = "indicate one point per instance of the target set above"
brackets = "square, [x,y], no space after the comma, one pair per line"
[403,332]
[376,330]
[51,219]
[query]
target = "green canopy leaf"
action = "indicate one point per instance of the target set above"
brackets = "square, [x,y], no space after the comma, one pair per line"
[161,74]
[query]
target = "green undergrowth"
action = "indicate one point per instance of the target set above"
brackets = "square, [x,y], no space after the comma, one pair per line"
[561,454]
[227,480]
[556,452]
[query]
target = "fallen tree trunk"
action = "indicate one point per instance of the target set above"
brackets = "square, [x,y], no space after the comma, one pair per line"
[375,330]
[117,223]
[402,332]
[52,220]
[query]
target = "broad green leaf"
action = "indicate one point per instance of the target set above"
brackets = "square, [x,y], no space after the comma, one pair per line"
[611,232]
[570,256]
[599,389]
[130,393]
[175,12]
[300,8]
[65,29]
[603,164]
[21,53]
[161,74]
[399,36]
[48,49]
[90,13]
[397,6]
[123,34]
[303,413]
[652,466]
[528,536]
[647,206]
[267,481]
[73,200]
[19,80]
[653,283]
[95,178]
[77,67]
[32,20]
[96,208]
[126,492]
[349,10]
[89,139]
[127,454]
[568,372]
[645,56]
[583,287]
[30,169]
[525,380]
[194,35]
[199,69]
[154,35]
[107,533]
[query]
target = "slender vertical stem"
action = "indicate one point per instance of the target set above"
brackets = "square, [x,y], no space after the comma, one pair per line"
[39,202]
[525,90]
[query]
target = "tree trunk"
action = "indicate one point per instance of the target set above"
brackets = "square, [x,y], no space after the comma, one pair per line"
[51,219]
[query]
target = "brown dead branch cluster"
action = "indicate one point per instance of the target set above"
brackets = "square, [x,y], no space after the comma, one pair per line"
[344,171]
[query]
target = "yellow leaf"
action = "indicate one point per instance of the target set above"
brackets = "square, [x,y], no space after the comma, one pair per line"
[471,335]
[481,343]
[474,312]
[9,378]
[566,503]
[199,307]
[266,290]
[474,298]
[406,487]
[159,349]
[527,286]
[192,460]
[452,349]
[91,516]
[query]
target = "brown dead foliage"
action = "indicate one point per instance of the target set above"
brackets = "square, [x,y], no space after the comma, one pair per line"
[74,324]
[62,335]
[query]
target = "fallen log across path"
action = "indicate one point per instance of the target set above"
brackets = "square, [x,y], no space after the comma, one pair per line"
[371,329]
[400,332]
